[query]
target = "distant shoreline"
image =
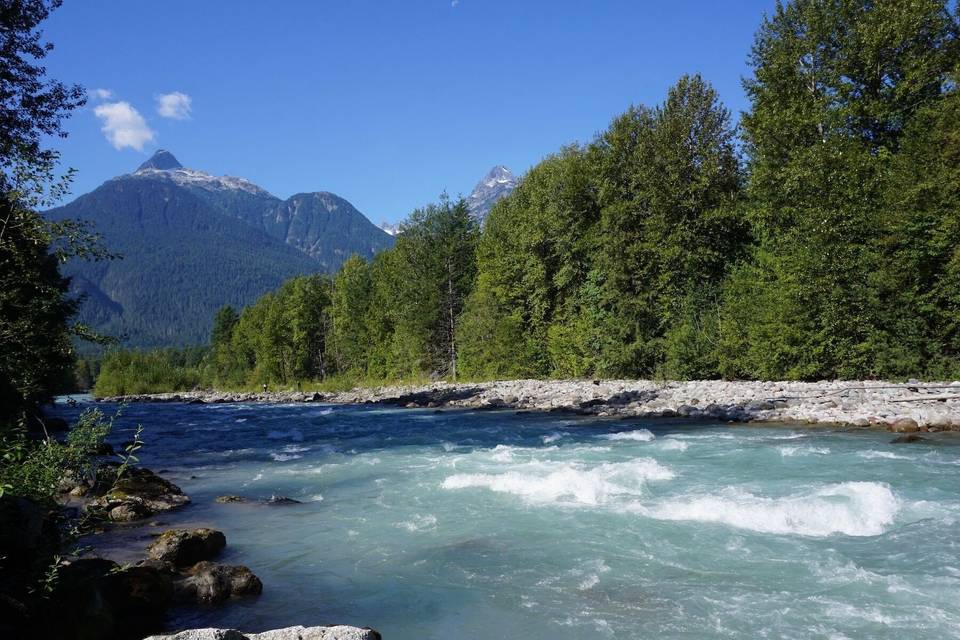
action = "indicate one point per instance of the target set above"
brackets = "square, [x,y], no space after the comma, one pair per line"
[898,407]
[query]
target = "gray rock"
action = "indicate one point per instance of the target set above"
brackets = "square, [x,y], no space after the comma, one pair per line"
[186,547]
[905,425]
[203,634]
[209,582]
[139,491]
[687,410]
[908,438]
[337,632]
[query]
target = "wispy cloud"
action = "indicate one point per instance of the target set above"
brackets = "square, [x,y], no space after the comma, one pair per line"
[123,125]
[174,105]
[100,94]
[454,3]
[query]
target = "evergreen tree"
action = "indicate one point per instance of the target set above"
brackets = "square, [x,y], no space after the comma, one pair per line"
[223,324]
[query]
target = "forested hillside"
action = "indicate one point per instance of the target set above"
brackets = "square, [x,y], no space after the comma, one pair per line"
[820,239]
[190,242]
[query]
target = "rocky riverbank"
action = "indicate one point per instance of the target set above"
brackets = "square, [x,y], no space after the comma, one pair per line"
[900,407]
[336,632]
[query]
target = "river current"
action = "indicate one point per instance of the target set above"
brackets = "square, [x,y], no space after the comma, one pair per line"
[429,524]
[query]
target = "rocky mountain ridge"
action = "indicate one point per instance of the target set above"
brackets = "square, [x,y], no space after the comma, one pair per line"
[191,242]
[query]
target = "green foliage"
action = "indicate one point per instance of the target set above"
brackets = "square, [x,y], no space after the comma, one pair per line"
[594,252]
[837,86]
[135,372]
[33,469]
[532,258]
[668,179]
[349,339]
[36,353]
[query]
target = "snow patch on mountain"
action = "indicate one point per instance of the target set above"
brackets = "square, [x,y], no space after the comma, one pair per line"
[390,228]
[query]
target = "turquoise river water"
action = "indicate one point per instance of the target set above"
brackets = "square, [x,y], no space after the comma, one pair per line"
[431,524]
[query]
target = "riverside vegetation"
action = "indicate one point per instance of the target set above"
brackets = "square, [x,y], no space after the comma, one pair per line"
[818,240]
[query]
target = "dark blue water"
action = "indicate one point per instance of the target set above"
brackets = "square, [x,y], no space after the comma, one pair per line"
[441,524]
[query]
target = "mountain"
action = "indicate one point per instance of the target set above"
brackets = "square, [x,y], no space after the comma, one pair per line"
[192,242]
[498,183]
[390,228]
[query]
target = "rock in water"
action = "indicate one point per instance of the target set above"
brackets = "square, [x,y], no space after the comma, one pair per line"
[209,582]
[336,632]
[908,438]
[905,425]
[186,547]
[138,493]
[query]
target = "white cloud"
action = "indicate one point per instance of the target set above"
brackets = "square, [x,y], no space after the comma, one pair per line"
[101,94]
[123,125]
[174,105]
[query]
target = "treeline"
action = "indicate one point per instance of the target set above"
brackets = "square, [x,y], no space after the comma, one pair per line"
[820,239]
[395,317]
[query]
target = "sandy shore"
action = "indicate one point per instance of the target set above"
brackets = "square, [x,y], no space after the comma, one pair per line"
[909,407]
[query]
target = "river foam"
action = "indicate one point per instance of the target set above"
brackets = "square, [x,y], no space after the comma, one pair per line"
[639,435]
[567,483]
[850,508]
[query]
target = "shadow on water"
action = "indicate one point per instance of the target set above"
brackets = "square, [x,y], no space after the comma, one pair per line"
[178,434]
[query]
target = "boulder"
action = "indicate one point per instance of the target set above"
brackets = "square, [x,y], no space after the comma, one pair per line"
[281,500]
[687,410]
[29,539]
[186,547]
[336,632]
[230,499]
[73,484]
[129,511]
[96,598]
[908,438]
[904,425]
[137,493]
[209,582]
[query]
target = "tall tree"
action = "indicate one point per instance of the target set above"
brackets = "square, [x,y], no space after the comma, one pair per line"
[437,250]
[349,316]
[533,257]
[835,83]
[668,180]
[923,245]
[35,337]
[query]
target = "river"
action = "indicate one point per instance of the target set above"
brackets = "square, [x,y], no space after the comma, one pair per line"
[429,524]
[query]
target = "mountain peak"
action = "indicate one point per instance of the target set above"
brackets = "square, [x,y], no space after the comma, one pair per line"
[500,173]
[162,160]
[498,183]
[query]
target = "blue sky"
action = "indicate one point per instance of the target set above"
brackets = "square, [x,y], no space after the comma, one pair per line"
[386,103]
